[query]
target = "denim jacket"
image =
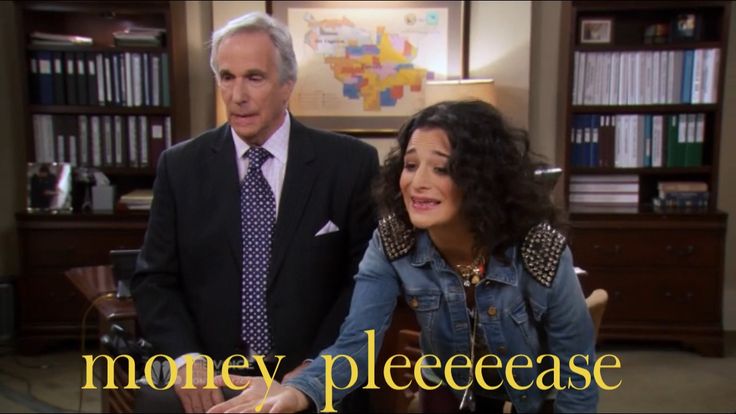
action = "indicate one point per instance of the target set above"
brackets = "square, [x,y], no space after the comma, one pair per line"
[517,315]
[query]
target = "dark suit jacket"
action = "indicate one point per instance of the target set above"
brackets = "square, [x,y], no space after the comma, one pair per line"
[188,278]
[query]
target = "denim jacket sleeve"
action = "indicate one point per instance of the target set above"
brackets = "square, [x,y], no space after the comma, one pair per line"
[373,302]
[570,331]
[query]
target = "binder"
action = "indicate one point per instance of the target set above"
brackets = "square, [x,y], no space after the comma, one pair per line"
[146,79]
[96,135]
[33,78]
[72,134]
[58,75]
[82,82]
[45,78]
[158,143]
[82,127]
[70,63]
[60,139]
[92,91]
[133,142]
[107,141]
[143,140]
[118,135]
[165,92]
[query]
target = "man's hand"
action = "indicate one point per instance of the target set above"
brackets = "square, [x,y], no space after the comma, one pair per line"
[281,399]
[197,400]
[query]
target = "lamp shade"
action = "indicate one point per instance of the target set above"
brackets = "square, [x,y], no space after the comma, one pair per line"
[452,90]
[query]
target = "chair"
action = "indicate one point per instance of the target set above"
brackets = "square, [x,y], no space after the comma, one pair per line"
[409,345]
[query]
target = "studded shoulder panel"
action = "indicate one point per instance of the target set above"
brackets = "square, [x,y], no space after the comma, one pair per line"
[396,236]
[541,251]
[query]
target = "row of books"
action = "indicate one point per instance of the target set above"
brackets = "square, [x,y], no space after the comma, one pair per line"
[646,77]
[604,189]
[686,195]
[101,141]
[632,141]
[130,79]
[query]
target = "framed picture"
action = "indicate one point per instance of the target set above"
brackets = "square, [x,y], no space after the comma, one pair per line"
[362,64]
[596,30]
[686,27]
[49,187]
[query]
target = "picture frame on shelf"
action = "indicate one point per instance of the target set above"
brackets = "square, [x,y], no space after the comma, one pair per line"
[49,187]
[596,31]
[686,27]
[656,34]
[343,85]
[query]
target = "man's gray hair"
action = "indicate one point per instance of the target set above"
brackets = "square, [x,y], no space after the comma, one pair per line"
[259,22]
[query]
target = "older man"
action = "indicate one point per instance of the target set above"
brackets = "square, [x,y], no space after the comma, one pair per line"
[257,227]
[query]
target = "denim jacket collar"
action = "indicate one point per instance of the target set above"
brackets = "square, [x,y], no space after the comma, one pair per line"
[424,252]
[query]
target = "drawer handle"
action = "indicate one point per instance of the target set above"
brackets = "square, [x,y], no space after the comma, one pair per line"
[616,295]
[615,250]
[687,251]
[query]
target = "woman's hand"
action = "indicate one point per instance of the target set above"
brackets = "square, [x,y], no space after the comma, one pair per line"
[281,399]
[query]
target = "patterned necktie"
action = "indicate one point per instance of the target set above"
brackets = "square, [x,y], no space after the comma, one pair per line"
[257,218]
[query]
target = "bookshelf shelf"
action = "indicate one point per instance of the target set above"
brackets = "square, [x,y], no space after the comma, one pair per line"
[98,110]
[644,107]
[98,48]
[646,47]
[635,109]
[642,171]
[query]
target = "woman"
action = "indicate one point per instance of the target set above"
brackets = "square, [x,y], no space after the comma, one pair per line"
[467,240]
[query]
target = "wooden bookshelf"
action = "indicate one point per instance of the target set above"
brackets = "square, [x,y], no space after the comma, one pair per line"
[663,268]
[153,98]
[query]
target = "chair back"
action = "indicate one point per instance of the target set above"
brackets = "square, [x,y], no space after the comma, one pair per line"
[596,303]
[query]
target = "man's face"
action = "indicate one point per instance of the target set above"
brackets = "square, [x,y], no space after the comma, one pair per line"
[248,78]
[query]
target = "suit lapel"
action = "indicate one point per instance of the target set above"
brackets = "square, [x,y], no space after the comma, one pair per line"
[223,187]
[300,175]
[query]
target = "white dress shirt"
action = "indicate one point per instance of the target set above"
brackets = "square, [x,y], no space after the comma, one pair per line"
[274,168]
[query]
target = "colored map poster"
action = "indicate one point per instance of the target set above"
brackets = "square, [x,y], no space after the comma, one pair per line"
[366,62]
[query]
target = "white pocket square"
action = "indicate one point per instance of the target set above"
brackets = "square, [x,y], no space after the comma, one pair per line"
[328,228]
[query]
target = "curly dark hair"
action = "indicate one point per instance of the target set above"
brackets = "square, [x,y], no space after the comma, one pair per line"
[490,163]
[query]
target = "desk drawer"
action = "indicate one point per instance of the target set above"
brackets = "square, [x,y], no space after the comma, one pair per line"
[71,248]
[657,295]
[612,247]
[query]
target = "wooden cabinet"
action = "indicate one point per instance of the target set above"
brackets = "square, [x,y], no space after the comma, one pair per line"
[663,274]
[643,108]
[49,306]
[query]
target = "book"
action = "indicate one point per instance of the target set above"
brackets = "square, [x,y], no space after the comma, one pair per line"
[52,39]
[139,37]
[674,186]
[616,198]
[139,199]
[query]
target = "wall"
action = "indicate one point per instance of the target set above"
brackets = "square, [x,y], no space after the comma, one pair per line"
[500,47]
[13,155]
[201,88]
[726,188]
[545,56]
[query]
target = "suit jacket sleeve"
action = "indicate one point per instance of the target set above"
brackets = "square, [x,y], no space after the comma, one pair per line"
[156,286]
[362,222]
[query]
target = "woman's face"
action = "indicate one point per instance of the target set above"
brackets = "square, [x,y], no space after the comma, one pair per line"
[431,197]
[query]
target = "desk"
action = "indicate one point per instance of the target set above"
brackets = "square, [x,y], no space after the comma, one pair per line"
[93,282]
